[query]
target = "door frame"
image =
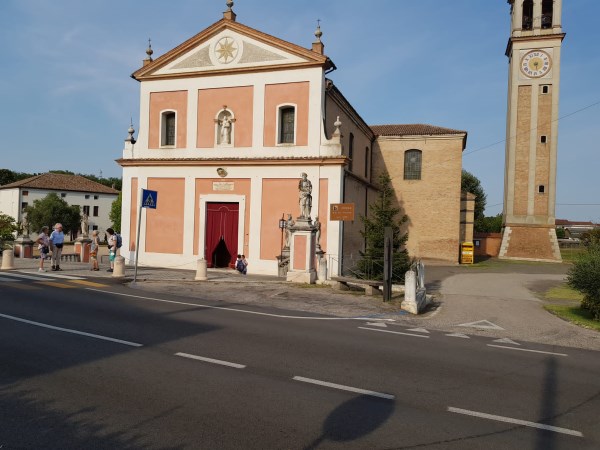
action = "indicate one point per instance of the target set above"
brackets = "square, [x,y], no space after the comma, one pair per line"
[221,198]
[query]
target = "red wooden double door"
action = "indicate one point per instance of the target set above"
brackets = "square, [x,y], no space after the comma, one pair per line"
[221,245]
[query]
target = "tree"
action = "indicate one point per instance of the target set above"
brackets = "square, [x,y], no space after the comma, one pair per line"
[8,227]
[115,213]
[382,214]
[470,183]
[489,224]
[52,209]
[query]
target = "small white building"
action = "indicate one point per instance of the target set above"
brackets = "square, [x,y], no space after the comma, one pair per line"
[93,198]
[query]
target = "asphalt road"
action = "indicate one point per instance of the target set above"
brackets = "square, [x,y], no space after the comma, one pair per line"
[95,365]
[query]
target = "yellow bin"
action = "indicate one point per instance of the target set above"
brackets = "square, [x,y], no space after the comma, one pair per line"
[467,253]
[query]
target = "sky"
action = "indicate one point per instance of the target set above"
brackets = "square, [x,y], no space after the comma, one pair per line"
[67,98]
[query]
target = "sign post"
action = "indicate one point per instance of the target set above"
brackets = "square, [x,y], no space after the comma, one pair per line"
[148,199]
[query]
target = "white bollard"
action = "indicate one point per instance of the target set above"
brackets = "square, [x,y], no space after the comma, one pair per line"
[8,259]
[201,271]
[119,267]
[322,274]
[410,293]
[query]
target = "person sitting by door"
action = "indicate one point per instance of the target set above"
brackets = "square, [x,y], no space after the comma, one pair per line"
[239,264]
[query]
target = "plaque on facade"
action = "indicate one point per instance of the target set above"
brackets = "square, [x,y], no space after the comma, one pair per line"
[341,211]
[223,186]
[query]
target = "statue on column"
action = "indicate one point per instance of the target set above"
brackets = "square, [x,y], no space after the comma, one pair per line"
[317,226]
[305,196]
[84,225]
[24,224]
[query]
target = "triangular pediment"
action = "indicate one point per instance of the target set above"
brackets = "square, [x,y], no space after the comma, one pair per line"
[229,46]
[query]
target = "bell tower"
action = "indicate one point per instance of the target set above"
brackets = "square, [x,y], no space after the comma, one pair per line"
[533,52]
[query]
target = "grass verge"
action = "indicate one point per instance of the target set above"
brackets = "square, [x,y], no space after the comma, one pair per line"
[565,303]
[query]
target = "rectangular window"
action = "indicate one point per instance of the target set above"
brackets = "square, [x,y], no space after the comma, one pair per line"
[287,119]
[86,210]
[412,164]
[25,193]
[541,188]
[63,194]
[367,160]
[96,211]
[545,89]
[87,196]
[96,197]
[543,139]
[168,126]
[94,227]
[23,205]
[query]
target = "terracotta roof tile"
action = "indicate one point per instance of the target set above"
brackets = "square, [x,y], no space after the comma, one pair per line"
[416,129]
[61,182]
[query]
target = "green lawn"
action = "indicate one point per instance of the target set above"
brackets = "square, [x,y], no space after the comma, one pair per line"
[565,303]
[571,254]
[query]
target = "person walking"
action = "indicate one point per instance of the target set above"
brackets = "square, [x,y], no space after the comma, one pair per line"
[43,246]
[94,247]
[57,239]
[112,248]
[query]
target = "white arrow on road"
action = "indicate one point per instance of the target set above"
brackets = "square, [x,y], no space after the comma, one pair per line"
[506,341]
[484,324]
[418,330]
[377,324]
[458,335]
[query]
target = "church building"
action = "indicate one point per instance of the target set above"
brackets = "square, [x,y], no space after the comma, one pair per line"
[233,121]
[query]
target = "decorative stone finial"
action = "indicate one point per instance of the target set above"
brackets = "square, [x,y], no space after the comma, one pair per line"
[229,14]
[318,32]
[149,52]
[130,138]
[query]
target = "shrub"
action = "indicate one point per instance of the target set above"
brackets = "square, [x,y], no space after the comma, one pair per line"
[585,277]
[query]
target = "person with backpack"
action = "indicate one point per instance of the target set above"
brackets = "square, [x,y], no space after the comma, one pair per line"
[239,264]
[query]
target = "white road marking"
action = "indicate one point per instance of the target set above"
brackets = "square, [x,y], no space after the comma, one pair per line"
[506,341]
[458,335]
[527,350]
[223,308]
[377,324]
[345,388]
[68,330]
[483,324]
[210,360]
[395,332]
[56,275]
[418,330]
[515,421]
[21,277]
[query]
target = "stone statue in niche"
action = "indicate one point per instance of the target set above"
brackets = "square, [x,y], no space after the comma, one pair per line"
[225,128]
[305,196]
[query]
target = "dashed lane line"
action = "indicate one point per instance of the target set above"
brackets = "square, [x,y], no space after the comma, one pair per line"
[525,423]
[345,388]
[69,330]
[49,275]
[211,360]
[18,285]
[395,332]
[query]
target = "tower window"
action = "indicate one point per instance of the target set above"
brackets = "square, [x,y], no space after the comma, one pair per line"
[541,188]
[527,15]
[367,158]
[543,139]
[547,12]
[545,89]
[287,124]
[412,164]
[168,125]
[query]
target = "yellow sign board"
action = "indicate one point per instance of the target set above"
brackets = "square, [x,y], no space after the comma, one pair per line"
[467,253]
[341,211]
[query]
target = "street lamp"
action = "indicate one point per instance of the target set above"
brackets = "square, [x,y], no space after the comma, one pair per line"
[282,227]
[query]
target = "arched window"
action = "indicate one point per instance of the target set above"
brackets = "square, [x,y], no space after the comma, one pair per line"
[412,164]
[527,15]
[168,128]
[287,124]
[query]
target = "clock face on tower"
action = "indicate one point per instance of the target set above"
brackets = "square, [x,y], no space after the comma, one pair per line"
[536,63]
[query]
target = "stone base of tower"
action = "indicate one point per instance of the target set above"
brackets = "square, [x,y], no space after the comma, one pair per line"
[530,243]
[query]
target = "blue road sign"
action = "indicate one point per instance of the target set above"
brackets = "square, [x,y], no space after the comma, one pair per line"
[149,199]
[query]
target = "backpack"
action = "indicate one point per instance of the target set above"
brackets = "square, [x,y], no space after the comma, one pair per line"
[119,240]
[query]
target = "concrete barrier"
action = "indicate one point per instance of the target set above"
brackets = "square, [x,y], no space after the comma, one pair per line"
[119,267]
[201,271]
[8,259]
